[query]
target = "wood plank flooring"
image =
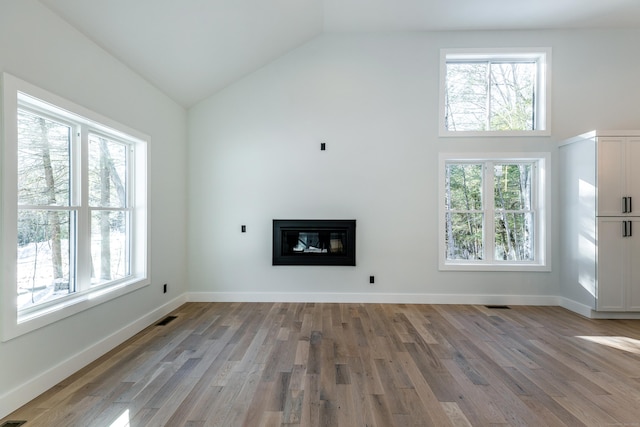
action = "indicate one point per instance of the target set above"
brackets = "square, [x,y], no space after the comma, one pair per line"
[286,364]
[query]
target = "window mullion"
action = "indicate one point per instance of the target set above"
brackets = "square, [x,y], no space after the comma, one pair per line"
[488,100]
[534,210]
[130,220]
[84,215]
[489,209]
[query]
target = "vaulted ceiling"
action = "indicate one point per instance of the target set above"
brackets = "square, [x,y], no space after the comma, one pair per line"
[190,49]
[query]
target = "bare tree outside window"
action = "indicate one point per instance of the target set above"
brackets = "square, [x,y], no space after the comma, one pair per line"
[108,201]
[44,216]
[489,96]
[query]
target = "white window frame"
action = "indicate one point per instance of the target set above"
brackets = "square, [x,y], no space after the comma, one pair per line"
[542,56]
[19,94]
[541,205]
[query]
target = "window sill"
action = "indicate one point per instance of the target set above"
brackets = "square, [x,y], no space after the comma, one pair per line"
[38,318]
[495,267]
[493,133]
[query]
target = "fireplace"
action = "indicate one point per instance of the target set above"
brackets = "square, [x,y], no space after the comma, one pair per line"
[314,242]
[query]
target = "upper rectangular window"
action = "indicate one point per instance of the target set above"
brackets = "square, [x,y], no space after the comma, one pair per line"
[494,212]
[494,92]
[74,198]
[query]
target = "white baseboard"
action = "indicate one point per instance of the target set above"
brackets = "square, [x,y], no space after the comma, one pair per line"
[372,298]
[338,297]
[576,307]
[615,315]
[14,399]
[589,312]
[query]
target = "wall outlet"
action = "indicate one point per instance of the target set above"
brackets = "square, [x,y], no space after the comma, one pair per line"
[372,279]
[164,288]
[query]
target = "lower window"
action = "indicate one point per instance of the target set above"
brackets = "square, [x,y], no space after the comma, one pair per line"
[493,213]
[74,208]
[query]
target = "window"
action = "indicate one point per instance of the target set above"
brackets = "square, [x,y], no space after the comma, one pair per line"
[493,214]
[74,199]
[494,92]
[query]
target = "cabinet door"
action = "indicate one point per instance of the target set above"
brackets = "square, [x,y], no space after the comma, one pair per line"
[633,285]
[612,264]
[632,159]
[612,177]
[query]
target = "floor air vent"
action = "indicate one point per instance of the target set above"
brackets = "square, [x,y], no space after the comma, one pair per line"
[12,423]
[499,307]
[163,322]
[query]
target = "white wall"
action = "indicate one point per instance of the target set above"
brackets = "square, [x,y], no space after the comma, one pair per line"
[254,156]
[38,47]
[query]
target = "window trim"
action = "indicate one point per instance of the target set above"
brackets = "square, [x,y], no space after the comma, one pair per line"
[542,240]
[14,323]
[541,55]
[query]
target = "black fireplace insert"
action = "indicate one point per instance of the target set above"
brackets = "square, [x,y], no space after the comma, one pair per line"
[314,242]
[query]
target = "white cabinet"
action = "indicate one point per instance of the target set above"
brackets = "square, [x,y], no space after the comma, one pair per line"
[600,220]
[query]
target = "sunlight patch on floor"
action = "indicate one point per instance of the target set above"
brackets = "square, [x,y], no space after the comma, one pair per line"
[621,343]
[122,421]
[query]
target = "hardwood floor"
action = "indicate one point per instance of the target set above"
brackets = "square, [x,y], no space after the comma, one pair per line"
[282,364]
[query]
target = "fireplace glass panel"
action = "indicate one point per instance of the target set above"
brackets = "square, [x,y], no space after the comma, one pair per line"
[310,242]
[313,242]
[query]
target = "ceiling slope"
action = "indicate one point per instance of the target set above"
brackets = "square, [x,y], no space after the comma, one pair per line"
[191,49]
[451,15]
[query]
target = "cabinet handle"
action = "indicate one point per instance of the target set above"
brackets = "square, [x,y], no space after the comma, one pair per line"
[624,205]
[630,229]
[624,229]
[630,207]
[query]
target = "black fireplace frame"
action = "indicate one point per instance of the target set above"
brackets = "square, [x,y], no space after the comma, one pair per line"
[346,226]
